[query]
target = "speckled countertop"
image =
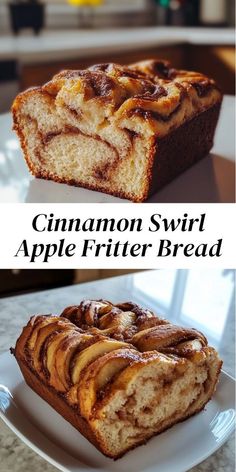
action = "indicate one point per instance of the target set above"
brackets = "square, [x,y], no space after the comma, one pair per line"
[167,292]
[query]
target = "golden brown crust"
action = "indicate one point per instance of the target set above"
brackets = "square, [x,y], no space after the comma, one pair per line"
[78,361]
[145,80]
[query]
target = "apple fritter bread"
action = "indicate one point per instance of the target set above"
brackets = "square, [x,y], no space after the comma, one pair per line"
[117,373]
[122,130]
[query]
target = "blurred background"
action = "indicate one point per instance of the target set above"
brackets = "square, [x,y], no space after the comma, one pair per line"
[17,282]
[40,37]
[202,297]
[26,281]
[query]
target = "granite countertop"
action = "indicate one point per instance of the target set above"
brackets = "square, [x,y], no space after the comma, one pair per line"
[167,292]
[84,43]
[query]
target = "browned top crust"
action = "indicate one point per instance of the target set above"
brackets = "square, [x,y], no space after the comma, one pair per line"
[149,97]
[97,320]
[58,347]
[131,323]
[146,79]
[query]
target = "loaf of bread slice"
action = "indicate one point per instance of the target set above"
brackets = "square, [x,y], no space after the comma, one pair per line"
[122,130]
[117,373]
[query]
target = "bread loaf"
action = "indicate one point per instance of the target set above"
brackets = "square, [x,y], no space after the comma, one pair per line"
[122,130]
[117,373]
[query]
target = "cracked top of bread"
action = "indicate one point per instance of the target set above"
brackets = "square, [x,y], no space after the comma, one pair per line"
[134,324]
[148,97]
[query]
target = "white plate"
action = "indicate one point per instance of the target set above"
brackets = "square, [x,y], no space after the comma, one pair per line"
[210,180]
[45,431]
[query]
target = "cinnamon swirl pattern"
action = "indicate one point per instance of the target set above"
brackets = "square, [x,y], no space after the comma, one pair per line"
[117,373]
[113,128]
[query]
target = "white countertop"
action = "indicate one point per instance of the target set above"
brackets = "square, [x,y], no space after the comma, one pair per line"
[211,180]
[209,310]
[80,43]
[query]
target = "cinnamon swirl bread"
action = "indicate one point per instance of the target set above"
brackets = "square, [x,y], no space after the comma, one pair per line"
[122,130]
[117,373]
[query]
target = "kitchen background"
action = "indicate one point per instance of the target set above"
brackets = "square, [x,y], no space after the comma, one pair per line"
[203,294]
[16,282]
[38,38]
[19,282]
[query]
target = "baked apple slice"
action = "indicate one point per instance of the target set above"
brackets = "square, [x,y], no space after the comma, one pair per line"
[49,355]
[84,358]
[100,373]
[39,323]
[190,349]
[87,313]
[43,333]
[21,347]
[64,354]
[114,322]
[163,336]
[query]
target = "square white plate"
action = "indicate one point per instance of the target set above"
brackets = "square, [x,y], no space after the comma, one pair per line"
[45,431]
